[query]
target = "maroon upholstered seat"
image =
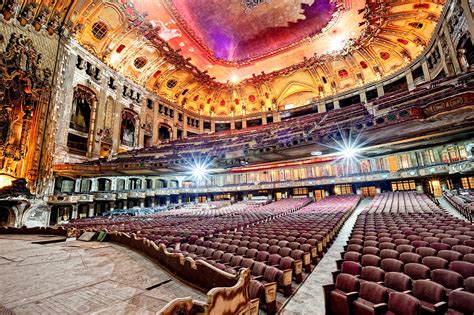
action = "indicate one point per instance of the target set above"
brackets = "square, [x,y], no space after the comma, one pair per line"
[389,253]
[241,251]
[352,256]
[419,243]
[370,260]
[274,249]
[387,245]
[466,269]
[401,241]
[339,297]
[440,246]
[370,250]
[263,247]
[392,265]
[469,284]
[232,248]
[426,251]
[433,262]
[396,281]
[403,304]
[285,251]
[463,249]
[274,260]
[460,303]
[449,279]
[450,255]
[253,245]
[372,274]
[258,269]
[372,299]
[417,271]
[251,253]
[469,258]
[262,256]
[352,268]
[247,263]
[408,257]
[405,248]
[431,295]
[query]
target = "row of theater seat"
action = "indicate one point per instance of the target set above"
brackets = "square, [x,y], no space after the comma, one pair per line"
[273,262]
[286,242]
[351,296]
[464,204]
[408,253]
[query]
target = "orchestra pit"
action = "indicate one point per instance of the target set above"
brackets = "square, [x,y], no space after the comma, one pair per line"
[182,157]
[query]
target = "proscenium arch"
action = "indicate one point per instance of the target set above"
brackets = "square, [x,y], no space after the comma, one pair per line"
[294,88]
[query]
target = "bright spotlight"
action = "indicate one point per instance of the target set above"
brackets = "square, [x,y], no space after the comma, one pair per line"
[198,168]
[234,79]
[199,171]
[349,152]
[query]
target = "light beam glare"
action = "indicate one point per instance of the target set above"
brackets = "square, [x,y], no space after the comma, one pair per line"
[198,168]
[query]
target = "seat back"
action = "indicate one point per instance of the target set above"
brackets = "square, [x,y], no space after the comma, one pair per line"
[407,258]
[433,262]
[347,283]
[428,291]
[392,265]
[351,267]
[450,255]
[397,281]
[372,274]
[417,271]
[403,304]
[370,260]
[426,251]
[462,302]
[447,278]
[373,292]
[466,269]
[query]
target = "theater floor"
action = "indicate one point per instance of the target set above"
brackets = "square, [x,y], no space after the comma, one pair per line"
[76,277]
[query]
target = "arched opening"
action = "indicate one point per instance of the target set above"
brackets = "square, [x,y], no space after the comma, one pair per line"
[149,184]
[64,185]
[466,50]
[60,214]
[135,183]
[173,184]
[161,183]
[104,184]
[120,184]
[86,185]
[164,133]
[82,211]
[7,217]
[80,121]
[127,129]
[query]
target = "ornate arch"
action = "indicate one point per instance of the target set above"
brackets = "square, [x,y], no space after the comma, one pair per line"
[128,128]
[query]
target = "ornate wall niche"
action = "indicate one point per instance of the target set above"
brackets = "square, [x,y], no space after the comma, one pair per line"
[24,90]
[128,128]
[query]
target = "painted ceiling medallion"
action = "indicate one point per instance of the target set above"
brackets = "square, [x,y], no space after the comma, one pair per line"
[272,26]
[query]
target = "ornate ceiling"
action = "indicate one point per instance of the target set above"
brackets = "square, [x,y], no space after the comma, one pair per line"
[238,57]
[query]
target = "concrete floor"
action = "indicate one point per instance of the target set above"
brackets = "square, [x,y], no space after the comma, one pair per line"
[309,299]
[76,277]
